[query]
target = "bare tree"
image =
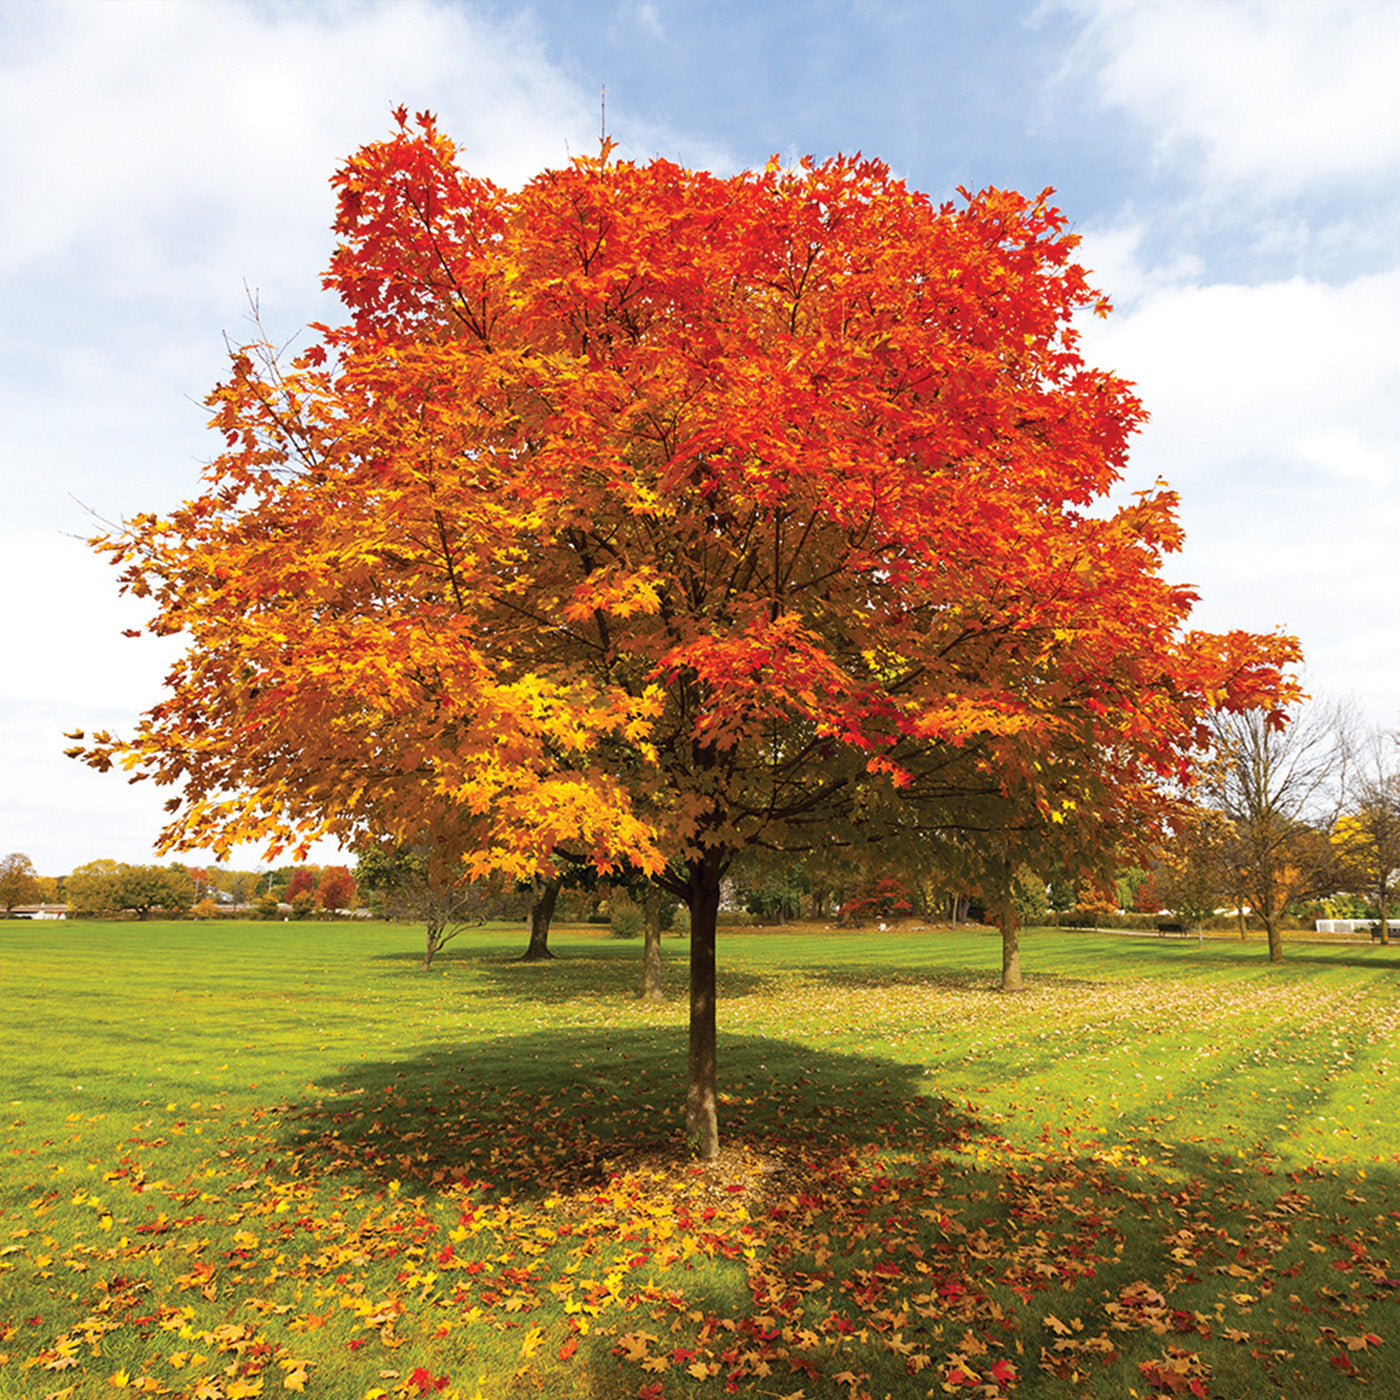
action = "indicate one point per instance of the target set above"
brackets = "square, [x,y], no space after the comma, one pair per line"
[415,885]
[1367,834]
[1280,789]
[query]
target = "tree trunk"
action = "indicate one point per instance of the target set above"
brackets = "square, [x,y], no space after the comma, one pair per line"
[651,956]
[1271,923]
[1010,949]
[701,1119]
[541,912]
[1385,922]
[431,949]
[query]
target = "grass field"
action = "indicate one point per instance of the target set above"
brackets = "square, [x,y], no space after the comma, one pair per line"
[260,1159]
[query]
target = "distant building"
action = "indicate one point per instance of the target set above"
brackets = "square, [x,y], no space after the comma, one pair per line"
[39,911]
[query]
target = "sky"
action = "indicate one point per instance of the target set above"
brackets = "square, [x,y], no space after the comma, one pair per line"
[1232,168]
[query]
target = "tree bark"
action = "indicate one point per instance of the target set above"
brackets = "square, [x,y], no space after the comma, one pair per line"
[701,1118]
[651,956]
[541,912]
[1010,949]
[433,935]
[1271,923]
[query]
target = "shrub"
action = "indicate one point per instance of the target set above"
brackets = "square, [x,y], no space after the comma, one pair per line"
[627,918]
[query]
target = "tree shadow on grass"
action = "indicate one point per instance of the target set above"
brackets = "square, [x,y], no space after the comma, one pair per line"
[552,1110]
[877,976]
[595,972]
[1382,959]
[1169,1241]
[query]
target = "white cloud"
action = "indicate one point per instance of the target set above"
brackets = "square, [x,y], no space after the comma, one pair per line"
[1230,371]
[1274,416]
[1118,268]
[1344,455]
[1267,96]
[72,628]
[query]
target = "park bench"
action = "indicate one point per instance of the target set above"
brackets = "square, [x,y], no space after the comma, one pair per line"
[1171,928]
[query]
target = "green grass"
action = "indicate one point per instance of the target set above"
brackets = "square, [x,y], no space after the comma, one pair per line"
[239,1159]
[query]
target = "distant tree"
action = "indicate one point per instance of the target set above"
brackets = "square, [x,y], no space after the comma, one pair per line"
[412,883]
[772,890]
[336,890]
[19,881]
[93,888]
[882,898]
[239,886]
[1127,883]
[1030,899]
[1279,788]
[146,887]
[1195,873]
[302,880]
[1145,898]
[1367,834]
[1060,893]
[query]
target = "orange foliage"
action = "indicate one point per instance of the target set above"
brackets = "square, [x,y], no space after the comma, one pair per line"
[608,481]
[647,515]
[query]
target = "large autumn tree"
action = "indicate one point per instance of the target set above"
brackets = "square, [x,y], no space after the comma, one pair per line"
[645,516]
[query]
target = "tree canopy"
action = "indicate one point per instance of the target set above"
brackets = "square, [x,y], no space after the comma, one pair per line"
[650,516]
[19,881]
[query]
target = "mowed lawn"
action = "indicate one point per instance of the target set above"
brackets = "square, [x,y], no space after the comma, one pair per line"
[262,1159]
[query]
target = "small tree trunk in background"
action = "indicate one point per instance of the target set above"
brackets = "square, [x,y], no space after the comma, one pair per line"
[651,955]
[541,912]
[1010,948]
[701,1118]
[434,935]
